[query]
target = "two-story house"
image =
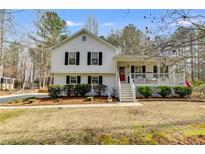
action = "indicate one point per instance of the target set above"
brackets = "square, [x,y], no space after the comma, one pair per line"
[85,58]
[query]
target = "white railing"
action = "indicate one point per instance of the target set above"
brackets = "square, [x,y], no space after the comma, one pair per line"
[118,85]
[157,78]
[132,87]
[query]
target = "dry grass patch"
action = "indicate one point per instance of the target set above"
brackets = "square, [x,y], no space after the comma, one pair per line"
[153,123]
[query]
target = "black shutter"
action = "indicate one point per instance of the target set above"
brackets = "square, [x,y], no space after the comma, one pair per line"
[155,69]
[167,69]
[100,79]
[143,69]
[78,79]
[67,79]
[77,58]
[88,58]
[132,69]
[66,58]
[100,58]
[89,79]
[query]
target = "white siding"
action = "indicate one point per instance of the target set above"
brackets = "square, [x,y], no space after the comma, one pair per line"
[77,45]
[108,79]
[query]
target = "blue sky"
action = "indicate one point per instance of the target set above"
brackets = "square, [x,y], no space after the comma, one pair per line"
[108,19]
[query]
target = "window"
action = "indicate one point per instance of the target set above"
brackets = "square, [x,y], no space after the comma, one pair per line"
[94,79]
[72,58]
[83,38]
[164,69]
[73,79]
[138,69]
[94,58]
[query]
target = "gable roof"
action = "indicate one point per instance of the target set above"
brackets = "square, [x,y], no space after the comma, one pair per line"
[83,31]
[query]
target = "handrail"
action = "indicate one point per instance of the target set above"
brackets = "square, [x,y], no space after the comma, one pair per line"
[119,85]
[132,87]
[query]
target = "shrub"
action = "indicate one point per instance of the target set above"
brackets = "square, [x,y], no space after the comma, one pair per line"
[68,89]
[90,98]
[54,91]
[145,91]
[100,88]
[182,91]
[82,89]
[164,90]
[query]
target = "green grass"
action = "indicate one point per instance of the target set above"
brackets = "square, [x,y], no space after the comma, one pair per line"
[196,130]
[7,115]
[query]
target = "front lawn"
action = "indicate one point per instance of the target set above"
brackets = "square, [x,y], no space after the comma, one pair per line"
[153,123]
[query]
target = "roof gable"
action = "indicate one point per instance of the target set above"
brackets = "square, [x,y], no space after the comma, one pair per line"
[81,32]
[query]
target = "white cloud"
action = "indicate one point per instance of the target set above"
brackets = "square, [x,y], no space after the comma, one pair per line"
[72,23]
[184,23]
[108,24]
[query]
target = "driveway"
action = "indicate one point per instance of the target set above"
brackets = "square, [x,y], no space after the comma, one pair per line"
[9,98]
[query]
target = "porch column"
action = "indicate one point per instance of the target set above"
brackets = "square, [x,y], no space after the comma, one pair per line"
[6,83]
[158,72]
[174,75]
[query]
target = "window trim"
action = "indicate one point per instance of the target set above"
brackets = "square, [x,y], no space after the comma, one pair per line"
[76,78]
[97,80]
[75,53]
[97,57]
[135,69]
[84,38]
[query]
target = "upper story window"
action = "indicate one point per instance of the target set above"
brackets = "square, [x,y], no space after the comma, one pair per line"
[72,58]
[94,58]
[83,38]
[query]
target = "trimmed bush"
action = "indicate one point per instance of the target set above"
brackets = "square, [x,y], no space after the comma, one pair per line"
[68,89]
[164,90]
[54,91]
[183,91]
[82,89]
[146,91]
[100,88]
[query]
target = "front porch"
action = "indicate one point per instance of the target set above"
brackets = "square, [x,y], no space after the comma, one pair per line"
[153,71]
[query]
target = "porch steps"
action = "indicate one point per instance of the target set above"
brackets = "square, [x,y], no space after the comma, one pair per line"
[126,93]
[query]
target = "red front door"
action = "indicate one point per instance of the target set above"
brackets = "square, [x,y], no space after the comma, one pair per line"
[122,73]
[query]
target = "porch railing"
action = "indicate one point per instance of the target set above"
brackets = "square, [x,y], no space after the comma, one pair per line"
[158,78]
[133,87]
[118,85]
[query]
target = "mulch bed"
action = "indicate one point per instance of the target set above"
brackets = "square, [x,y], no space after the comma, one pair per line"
[59,101]
[4,92]
[171,99]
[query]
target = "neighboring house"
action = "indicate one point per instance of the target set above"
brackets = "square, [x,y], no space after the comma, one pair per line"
[86,58]
[6,83]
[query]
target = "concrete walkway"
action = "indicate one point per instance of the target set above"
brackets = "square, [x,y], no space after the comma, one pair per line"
[9,98]
[73,106]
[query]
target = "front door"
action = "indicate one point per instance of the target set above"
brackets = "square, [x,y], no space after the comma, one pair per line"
[122,73]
